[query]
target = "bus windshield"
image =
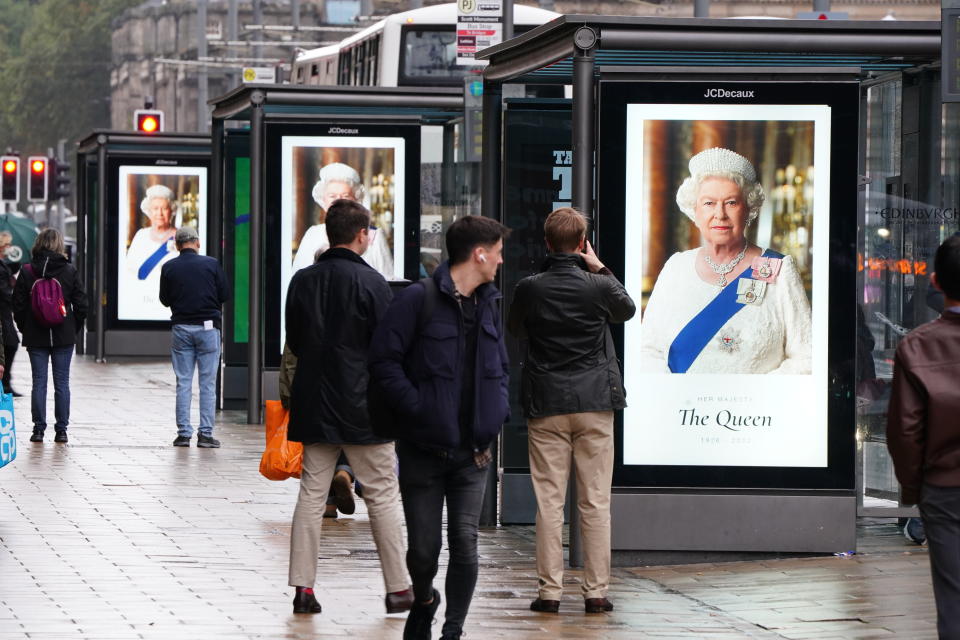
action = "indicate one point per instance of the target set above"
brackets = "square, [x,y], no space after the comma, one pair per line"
[430,57]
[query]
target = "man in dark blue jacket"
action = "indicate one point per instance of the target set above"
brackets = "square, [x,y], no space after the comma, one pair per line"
[445,376]
[195,288]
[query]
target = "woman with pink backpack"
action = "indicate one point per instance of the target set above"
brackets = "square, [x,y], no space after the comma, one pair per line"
[49,306]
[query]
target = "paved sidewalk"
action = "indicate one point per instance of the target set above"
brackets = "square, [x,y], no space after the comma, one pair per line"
[120,535]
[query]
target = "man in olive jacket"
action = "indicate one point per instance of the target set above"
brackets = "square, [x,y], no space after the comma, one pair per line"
[923,433]
[332,309]
[570,387]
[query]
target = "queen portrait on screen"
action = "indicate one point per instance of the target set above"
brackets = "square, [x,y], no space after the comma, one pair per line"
[340,181]
[728,306]
[153,244]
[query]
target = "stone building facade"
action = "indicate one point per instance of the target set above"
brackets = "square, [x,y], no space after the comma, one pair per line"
[158,54]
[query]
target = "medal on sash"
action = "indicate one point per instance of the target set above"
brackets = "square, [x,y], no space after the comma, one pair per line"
[729,340]
[765,269]
[750,291]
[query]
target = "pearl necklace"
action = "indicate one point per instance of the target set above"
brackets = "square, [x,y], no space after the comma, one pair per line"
[723,268]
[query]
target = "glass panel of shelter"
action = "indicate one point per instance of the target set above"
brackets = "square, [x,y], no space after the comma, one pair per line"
[899,234]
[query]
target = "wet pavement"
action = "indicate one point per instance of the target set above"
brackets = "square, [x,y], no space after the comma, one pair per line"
[120,535]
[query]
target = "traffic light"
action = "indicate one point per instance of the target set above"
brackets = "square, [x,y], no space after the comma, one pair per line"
[148,120]
[10,178]
[37,178]
[58,175]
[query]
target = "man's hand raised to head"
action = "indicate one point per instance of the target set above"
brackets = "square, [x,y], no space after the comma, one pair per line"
[593,262]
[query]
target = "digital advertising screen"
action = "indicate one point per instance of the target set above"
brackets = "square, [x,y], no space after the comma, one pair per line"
[729,197]
[375,165]
[153,201]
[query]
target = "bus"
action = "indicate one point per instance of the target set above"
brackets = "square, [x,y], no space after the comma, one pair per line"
[411,48]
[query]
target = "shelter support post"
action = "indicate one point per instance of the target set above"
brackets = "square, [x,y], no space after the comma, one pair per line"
[584,136]
[101,244]
[80,206]
[490,194]
[255,333]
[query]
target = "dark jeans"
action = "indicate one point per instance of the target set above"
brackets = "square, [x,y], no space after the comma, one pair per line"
[940,509]
[426,478]
[60,357]
[9,351]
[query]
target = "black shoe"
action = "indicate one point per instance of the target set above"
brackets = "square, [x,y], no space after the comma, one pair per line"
[15,394]
[545,606]
[452,635]
[182,441]
[61,436]
[420,619]
[207,442]
[342,496]
[37,435]
[597,605]
[304,602]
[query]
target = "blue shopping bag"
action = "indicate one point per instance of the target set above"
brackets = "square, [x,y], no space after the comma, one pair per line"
[8,436]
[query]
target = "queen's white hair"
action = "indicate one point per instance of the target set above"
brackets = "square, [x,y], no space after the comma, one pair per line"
[720,163]
[158,191]
[338,172]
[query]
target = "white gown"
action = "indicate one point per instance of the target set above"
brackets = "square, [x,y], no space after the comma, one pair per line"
[772,336]
[140,299]
[377,256]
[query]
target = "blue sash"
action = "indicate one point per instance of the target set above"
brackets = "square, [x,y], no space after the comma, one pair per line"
[152,261]
[700,330]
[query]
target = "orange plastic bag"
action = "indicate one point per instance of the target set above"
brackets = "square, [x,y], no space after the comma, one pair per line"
[281,459]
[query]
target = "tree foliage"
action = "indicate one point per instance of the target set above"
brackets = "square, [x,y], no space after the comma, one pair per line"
[55,59]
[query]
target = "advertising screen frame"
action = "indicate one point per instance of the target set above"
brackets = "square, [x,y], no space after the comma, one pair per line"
[406,238]
[842,98]
[168,165]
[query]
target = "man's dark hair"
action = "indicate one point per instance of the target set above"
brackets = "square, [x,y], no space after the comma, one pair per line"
[344,219]
[469,232]
[946,264]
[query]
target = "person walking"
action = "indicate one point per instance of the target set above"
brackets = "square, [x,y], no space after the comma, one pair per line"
[10,340]
[49,337]
[446,381]
[922,433]
[332,309]
[195,288]
[570,387]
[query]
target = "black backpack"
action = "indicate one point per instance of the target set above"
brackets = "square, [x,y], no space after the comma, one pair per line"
[383,418]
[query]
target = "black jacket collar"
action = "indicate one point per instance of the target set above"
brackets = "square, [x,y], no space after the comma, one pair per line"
[343,254]
[564,261]
[441,275]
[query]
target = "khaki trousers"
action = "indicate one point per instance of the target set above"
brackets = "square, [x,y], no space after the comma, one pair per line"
[374,466]
[588,439]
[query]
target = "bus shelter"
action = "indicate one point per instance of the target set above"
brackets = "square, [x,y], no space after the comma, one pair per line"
[858,161]
[276,149]
[133,191]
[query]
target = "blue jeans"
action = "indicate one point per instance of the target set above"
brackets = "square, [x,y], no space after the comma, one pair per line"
[426,479]
[60,357]
[194,346]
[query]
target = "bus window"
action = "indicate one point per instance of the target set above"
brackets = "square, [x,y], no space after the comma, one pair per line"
[430,57]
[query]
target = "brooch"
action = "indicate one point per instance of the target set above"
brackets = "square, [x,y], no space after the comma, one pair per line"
[750,291]
[729,340]
[766,269]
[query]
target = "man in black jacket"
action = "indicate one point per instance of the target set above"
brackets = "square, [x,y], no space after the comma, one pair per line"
[194,287]
[331,311]
[444,372]
[571,386]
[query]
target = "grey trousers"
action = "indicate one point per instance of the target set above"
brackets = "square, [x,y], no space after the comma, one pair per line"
[940,509]
[374,465]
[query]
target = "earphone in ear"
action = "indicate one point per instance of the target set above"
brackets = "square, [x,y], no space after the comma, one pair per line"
[482,258]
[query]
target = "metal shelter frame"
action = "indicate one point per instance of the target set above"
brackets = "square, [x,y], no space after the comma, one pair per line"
[104,142]
[578,49]
[257,104]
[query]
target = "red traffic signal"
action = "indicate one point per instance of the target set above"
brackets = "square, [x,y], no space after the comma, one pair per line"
[10,178]
[148,120]
[37,179]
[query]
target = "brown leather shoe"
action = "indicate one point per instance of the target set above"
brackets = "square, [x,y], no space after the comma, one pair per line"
[545,606]
[597,605]
[342,495]
[399,601]
[330,511]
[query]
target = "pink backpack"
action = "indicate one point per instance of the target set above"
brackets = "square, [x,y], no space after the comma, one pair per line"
[46,299]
